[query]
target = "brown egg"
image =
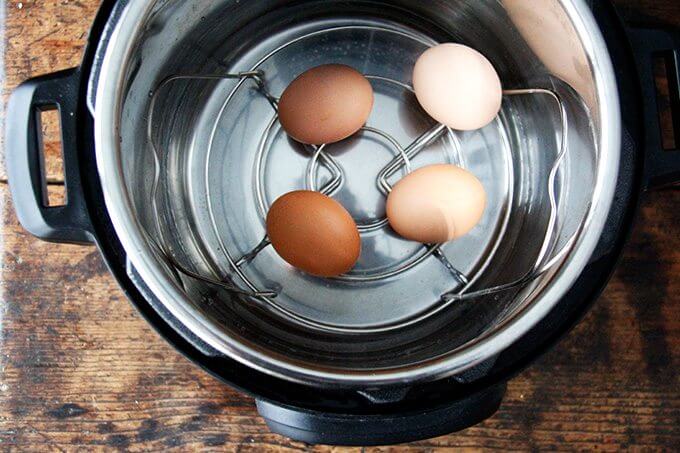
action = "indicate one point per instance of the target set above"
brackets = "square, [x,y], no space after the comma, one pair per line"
[314,233]
[436,204]
[326,104]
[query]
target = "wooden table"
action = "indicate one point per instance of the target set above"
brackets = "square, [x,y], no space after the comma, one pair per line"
[80,369]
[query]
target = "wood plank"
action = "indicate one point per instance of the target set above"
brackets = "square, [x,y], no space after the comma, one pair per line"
[80,369]
[42,37]
[650,12]
[46,36]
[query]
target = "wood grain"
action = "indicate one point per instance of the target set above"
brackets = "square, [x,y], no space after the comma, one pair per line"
[650,12]
[42,36]
[80,370]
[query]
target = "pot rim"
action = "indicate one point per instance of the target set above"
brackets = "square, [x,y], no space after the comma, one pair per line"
[107,109]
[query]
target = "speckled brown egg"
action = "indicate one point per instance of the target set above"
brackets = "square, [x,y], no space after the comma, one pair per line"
[313,233]
[326,104]
[436,204]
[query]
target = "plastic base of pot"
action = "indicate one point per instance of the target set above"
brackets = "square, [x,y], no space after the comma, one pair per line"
[314,427]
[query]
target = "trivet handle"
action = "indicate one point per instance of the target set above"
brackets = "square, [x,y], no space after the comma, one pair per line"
[398,426]
[25,160]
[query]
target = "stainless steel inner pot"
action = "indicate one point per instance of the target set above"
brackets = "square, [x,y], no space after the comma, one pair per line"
[224,159]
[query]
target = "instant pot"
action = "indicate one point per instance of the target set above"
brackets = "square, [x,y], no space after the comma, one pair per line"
[173,154]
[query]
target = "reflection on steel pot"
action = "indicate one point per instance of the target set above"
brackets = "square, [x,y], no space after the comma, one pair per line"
[218,154]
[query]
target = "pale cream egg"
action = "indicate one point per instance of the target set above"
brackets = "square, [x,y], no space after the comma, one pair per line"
[457,86]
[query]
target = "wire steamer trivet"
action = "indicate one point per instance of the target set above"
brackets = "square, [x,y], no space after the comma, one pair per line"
[431,205]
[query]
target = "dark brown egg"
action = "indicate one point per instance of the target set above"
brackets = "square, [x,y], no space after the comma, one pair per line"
[326,104]
[313,233]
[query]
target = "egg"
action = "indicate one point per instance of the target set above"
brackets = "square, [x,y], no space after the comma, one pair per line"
[457,86]
[326,104]
[436,204]
[313,233]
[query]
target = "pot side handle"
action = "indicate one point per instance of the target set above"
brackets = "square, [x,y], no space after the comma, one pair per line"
[662,166]
[25,159]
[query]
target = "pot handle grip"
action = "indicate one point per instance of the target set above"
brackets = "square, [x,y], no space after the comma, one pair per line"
[314,427]
[25,159]
[662,166]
